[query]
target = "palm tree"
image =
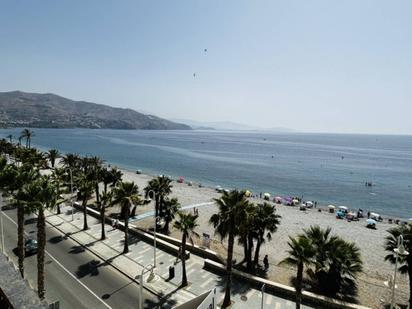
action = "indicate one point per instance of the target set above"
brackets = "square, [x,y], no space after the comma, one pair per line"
[300,253]
[105,201]
[12,180]
[96,166]
[85,186]
[171,207]
[27,134]
[161,186]
[71,161]
[404,262]
[58,177]
[336,263]
[232,208]
[37,197]
[265,224]
[126,194]
[186,224]
[52,155]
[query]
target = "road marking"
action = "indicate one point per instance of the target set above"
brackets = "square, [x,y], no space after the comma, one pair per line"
[66,270]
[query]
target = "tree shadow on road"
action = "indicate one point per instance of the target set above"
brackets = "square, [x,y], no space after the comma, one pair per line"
[76,249]
[88,269]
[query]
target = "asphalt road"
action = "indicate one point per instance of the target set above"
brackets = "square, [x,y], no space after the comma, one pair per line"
[74,276]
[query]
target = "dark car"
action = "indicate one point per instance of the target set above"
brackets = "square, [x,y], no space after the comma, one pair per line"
[30,246]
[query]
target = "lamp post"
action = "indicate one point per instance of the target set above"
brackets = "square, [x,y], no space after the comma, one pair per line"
[155,228]
[399,250]
[263,295]
[71,190]
[145,269]
[2,227]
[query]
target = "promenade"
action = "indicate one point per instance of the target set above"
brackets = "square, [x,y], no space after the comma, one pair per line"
[141,254]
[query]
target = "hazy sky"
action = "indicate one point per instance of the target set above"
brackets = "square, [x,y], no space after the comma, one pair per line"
[331,66]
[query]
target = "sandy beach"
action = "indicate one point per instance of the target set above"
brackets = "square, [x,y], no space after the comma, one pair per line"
[372,291]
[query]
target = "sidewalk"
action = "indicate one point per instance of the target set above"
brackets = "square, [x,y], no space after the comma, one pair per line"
[141,254]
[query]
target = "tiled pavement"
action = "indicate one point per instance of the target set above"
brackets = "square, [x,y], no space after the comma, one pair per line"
[141,254]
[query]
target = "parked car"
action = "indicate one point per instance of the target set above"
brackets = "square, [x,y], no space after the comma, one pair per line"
[30,246]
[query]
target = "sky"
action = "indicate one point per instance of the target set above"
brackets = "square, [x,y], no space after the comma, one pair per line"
[315,66]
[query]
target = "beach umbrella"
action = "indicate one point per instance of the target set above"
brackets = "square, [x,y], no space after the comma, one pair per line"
[309,203]
[266,195]
[371,222]
[331,207]
[343,207]
[248,193]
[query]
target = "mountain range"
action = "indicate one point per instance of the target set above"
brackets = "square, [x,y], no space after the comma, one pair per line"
[24,109]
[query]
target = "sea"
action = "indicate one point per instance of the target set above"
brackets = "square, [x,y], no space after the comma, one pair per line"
[327,168]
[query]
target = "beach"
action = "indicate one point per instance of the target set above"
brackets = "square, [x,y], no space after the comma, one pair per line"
[371,242]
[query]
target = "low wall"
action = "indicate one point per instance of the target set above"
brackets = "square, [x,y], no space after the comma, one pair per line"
[195,249]
[286,291]
[147,237]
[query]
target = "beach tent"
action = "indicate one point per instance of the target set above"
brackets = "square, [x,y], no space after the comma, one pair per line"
[343,208]
[309,204]
[266,196]
[331,208]
[288,201]
[278,199]
[370,223]
[181,179]
[295,201]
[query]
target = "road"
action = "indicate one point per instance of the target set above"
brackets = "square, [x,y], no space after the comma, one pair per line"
[74,276]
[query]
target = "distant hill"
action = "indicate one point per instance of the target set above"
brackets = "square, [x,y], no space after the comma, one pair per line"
[228,125]
[22,109]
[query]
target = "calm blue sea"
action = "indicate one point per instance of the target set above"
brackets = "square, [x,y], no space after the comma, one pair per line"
[329,168]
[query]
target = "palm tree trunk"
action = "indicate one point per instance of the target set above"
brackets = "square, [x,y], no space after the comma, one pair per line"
[105,188]
[299,278]
[226,300]
[102,218]
[410,279]
[85,226]
[249,265]
[257,251]
[183,258]
[20,238]
[166,228]
[41,241]
[126,231]
[97,192]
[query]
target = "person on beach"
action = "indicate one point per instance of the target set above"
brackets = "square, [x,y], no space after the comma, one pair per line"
[369,214]
[266,262]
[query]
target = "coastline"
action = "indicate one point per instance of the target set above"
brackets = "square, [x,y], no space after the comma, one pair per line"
[293,221]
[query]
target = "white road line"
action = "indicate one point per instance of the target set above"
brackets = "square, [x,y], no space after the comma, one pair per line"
[68,272]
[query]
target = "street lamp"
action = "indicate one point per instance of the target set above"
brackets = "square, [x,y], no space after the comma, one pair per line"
[145,269]
[399,250]
[71,190]
[263,294]
[2,227]
[155,227]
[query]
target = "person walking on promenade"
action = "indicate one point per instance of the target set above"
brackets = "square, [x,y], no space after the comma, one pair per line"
[266,262]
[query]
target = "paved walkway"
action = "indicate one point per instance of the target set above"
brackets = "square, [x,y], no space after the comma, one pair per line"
[141,253]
